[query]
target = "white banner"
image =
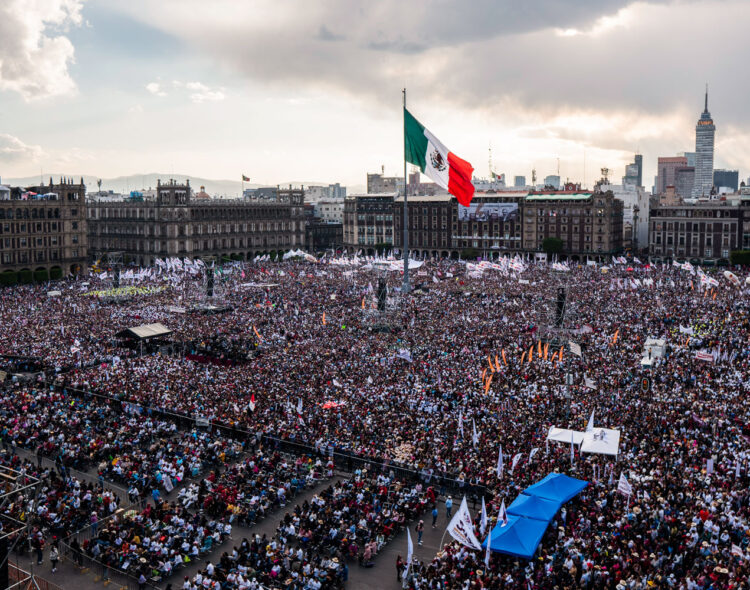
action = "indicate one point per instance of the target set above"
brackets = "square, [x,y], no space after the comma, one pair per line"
[461,527]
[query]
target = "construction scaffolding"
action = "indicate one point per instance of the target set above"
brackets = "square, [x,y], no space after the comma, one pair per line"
[19,493]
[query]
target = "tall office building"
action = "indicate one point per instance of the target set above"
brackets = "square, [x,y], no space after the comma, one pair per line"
[667,168]
[634,172]
[727,179]
[704,153]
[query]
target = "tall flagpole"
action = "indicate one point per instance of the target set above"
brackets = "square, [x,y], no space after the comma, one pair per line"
[405,287]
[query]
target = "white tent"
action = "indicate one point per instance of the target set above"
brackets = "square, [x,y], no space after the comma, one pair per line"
[602,441]
[564,435]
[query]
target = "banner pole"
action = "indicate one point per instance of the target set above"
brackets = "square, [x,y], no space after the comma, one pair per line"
[405,287]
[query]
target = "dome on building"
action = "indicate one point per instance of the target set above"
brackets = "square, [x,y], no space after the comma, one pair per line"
[202,194]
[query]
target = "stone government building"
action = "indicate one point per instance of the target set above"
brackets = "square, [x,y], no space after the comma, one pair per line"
[43,228]
[176,223]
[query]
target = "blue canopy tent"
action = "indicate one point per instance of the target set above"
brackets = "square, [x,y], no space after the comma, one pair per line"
[520,537]
[534,507]
[556,487]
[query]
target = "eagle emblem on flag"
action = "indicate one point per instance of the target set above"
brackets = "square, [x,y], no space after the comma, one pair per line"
[437,160]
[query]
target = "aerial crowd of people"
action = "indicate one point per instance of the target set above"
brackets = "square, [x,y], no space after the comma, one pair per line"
[421,399]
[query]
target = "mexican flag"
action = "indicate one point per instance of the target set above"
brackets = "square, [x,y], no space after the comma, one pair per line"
[444,167]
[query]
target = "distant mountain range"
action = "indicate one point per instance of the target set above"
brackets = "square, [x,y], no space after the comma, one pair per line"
[125,184]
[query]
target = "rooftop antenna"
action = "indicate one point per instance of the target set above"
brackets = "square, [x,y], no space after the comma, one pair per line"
[533,177]
[706,105]
[382,169]
[558,166]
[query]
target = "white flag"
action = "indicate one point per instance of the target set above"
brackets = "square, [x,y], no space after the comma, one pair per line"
[516,459]
[590,425]
[404,354]
[483,522]
[500,462]
[709,466]
[572,448]
[474,436]
[623,486]
[737,550]
[502,517]
[461,422]
[575,348]
[487,553]
[409,548]
[588,382]
[532,453]
[461,527]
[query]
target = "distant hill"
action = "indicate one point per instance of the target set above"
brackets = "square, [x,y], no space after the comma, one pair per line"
[125,184]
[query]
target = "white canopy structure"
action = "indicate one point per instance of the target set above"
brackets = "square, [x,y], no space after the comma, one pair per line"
[601,441]
[565,435]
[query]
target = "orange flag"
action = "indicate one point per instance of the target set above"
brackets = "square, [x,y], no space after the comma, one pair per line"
[539,349]
[506,362]
[484,373]
[497,363]
[324,318]
[487,385]
[489,360]
[561,354]
[691,286]
[531,353]
[363,302]
[546,350]
[554,356]
[714,297]
[614,338]
[256,333]
[523,356]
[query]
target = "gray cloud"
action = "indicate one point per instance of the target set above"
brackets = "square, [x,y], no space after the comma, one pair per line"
[502,58]
[13,149]
[325,34]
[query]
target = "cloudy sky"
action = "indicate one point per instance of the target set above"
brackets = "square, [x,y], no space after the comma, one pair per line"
[284,90]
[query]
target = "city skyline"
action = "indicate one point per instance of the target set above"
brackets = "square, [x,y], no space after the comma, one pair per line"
[277,93]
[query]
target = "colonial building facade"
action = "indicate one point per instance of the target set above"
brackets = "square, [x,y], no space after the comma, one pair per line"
[588,224]
[43,229]
[706,231]
[175,224]
[368,221]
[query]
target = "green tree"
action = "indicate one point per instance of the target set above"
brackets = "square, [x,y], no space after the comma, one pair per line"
[552,245]
[8,278]
[741,257]
[41,275]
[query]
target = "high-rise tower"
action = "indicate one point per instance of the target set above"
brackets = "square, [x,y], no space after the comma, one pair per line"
[704,153]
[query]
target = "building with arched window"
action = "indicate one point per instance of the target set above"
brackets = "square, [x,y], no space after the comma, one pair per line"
[43,229]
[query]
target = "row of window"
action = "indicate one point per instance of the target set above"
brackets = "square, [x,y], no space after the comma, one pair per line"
[692,251]
[33,213]
[38,227]
[696,227]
